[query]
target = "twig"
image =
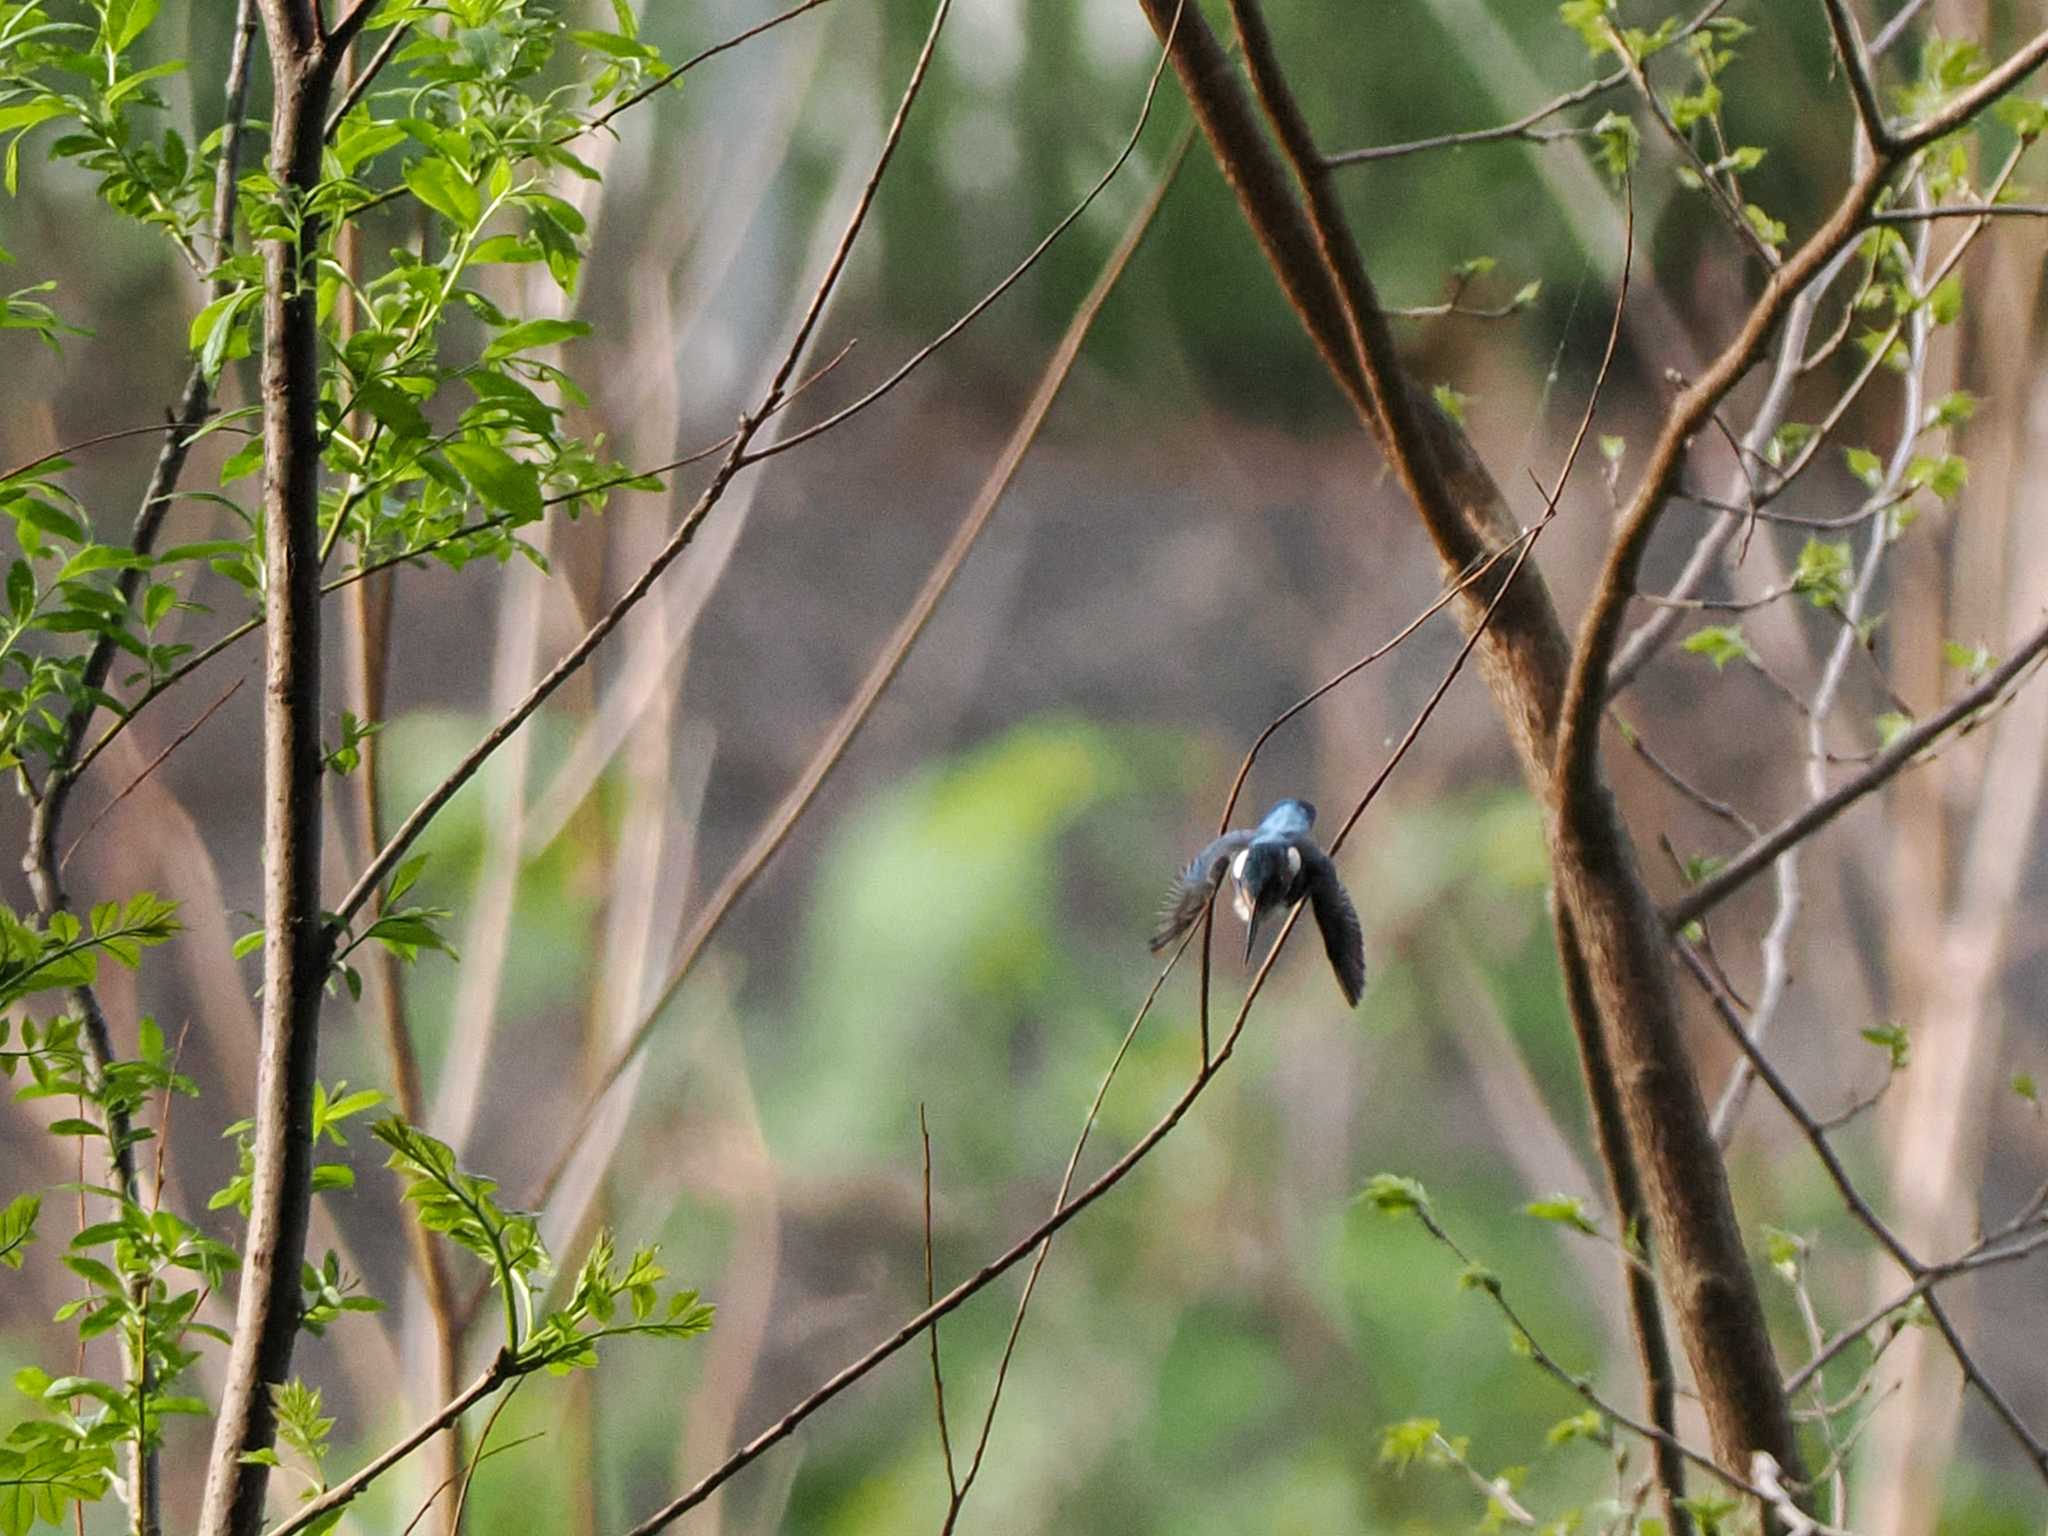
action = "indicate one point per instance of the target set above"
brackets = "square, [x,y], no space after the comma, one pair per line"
[1903,749]
[65,450]
[476,1456]
[400,841]
[1894,29]
[345,1491]
[995,1396]
[1960,211]
[1521,127]
[975,310]
[682,69]
[832,750]
[1691,791]
[1861,1209]
[1980,1257]
[1104,1182]
[924,1134]
[154,763]
[1717,194]
[360,85]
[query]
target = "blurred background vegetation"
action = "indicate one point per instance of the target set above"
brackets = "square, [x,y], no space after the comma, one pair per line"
[1200,536]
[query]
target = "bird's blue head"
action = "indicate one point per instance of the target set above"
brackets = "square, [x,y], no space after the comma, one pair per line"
[1288,818]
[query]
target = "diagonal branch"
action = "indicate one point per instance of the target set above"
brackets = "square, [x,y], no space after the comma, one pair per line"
[735,459]
[1907,746]
[889,661]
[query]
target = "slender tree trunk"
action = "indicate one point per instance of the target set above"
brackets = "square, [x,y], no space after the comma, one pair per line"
[296,946]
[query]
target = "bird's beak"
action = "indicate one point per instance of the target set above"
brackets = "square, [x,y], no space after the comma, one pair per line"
[1251,933]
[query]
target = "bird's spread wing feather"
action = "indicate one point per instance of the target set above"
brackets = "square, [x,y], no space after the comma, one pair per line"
[1197,883]
[1343,940]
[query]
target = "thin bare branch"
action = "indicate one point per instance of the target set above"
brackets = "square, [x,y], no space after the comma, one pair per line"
[1961,211]
[416,823]
[1903,750]
[832,750]
[1895,29]
[364,78]
[682,69]
[1523,127]
[924,1134]
[974,311]
[345,1491]
[1966,104]
[149,768]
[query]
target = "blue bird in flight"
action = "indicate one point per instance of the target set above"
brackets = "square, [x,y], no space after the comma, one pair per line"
[1271,867]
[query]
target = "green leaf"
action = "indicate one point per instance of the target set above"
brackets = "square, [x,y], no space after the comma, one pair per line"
[1720,644]
[127,20]
[1412,1440]
[1823,572]
[1890,726]
[1616,145]
[1944,474]
[1769,230]
[18,1228]
[1896,1040]
[26,114]
[2024,1085]
[406,874]
[360,140]
[1953,409]
[1973,661]
[1393,1194]
[99,557]
[1786,442]
[1589,1425]
[1865,466]
[1451,402]
[443,188]
[532,333]
[497,477]
[1565,1211]
[215,336]
[1946,302]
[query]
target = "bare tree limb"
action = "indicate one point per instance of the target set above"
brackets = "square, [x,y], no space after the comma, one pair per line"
[1904,748]
[738,880]
[409,830]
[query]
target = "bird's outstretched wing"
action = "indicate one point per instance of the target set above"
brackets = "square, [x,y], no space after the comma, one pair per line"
[1343,940]
[1197,883]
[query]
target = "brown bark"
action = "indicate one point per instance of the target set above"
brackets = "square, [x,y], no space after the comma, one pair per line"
[1613,949]
[297,947]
